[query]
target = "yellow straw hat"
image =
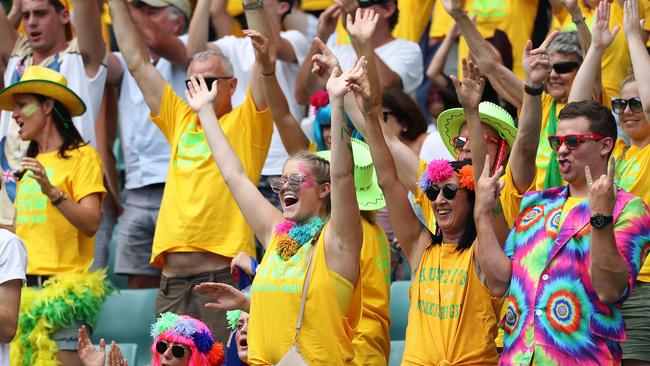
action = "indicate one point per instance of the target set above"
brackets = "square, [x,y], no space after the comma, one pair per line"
[43,81]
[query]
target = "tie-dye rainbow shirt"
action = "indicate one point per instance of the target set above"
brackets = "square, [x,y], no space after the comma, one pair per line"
[554,316]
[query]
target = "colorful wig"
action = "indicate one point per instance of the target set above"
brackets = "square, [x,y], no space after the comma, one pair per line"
[190,332]
[321,103]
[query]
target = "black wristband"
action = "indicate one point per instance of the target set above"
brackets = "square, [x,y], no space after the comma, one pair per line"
[533,91]
[254,5]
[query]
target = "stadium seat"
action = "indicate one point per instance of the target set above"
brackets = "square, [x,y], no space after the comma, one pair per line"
[120,281]
[396,351]
[399,309]
[126,317]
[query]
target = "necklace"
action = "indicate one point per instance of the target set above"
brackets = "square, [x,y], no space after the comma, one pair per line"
[292,236]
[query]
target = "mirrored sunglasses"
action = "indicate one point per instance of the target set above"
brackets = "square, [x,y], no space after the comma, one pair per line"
[619,105]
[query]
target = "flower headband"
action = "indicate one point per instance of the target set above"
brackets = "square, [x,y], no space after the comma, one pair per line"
[185,327]
[320,99]
[439,169]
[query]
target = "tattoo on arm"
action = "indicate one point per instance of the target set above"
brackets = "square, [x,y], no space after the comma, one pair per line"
[497,210]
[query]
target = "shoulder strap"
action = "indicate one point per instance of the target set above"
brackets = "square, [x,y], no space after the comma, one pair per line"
[305,287]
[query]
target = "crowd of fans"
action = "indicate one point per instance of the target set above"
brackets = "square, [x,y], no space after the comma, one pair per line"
[493,153]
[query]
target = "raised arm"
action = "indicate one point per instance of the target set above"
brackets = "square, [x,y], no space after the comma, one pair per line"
[292,136]
[163,44]
[344,234]
[257,20]
[259,213]
[573,8]
[504,81]
[638,52]
[492,260]
[537,67]
[434,72]
[307,83]
[199,27]
[135,54]
[9,35]
[89,34]
[412,237]
[587,84]
[221,20]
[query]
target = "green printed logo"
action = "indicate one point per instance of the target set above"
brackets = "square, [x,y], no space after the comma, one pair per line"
[628,172]
[31,203]
[383,260]
[193,149]
[489,8]
[292,272]
[442,312]
[443,276]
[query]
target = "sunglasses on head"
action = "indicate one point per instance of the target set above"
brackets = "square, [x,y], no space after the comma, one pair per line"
[572,142]
[293,182]
[448,192]
[459,142]
[209,80]
[619,105]
[178,351]
[565,67]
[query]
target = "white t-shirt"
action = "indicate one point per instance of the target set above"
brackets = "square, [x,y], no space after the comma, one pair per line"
[241,54]
[13,263]
[402,56]
[145,148]
[434,148]
[91,90]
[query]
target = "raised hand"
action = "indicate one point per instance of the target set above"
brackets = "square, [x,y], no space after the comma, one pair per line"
[115,357]
[359,84]
[601,36]
[537,62]
[602,192]
[363,27]
[88,354]
[242,261]
[488,189]
[39,174]
[470,90]
[632,26]
[264,54]
[225,296]
[571,6]
[325,62]
[327,22]
[198,95]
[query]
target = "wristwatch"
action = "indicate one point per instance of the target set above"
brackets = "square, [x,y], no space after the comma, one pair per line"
[531,90]
[599,221]
[252,5]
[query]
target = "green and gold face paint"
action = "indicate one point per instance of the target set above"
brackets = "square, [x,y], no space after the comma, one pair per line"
[29,110]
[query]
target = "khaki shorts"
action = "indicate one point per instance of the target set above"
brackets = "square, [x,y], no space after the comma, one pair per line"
[637,321]
[178,296]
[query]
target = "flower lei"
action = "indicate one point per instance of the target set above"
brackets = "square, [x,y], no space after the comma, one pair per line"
[292,236]
[439,169]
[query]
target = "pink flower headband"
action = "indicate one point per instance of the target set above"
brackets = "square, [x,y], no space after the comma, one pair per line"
[439,170]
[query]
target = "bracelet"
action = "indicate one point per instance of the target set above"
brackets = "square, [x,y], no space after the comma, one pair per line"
[268,74]
[254,5]
[578,21]
[532,90]
[62,197]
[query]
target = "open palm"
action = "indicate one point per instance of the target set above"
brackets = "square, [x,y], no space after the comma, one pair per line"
[364,24]
[601,36]
[225,296]
[89,355]
[197,93]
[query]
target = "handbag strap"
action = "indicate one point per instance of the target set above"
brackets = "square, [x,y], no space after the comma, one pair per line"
[305,287]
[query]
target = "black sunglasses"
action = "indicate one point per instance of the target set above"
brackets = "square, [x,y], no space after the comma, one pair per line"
[565,67]
[367,3]
[448,192]
[178,351]
[619,105]
[208,80]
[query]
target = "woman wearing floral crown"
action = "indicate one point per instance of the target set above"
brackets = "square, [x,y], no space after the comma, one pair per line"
[318,232]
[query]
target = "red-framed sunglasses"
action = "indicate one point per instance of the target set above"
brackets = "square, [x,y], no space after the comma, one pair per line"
[572,142]
[459,142]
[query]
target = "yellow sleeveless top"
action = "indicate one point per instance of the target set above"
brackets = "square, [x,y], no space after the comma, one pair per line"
[326,334]
[371,341]
[453,318]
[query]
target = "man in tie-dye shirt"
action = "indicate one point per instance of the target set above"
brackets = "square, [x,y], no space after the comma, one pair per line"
[574,253]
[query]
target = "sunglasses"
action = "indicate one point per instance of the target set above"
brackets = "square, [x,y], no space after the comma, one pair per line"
[572,142]
[367,3]
[619,105]
[565,67]
[209,80]
[178,351]
[293,182]
[448,192]
[459,142]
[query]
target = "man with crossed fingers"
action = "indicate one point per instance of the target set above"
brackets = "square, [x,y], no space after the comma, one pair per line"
[574,253]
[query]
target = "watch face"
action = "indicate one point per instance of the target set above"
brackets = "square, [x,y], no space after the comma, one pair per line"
[599,221]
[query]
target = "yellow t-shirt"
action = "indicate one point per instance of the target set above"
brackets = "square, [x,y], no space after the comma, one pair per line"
[197,212]
[371,341]
[453,318]
[234,8]
[326,334]
[53,244]
[510,199]
[314,5]
[514,17]
[441,21]
[414,15]
[631,172]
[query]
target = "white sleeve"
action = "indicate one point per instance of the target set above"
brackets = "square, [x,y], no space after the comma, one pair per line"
[405,59]
[13,260]
[228,45]
[298,43]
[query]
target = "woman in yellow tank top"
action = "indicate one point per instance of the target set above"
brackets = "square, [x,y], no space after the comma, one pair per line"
[309,199]
[452,319]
